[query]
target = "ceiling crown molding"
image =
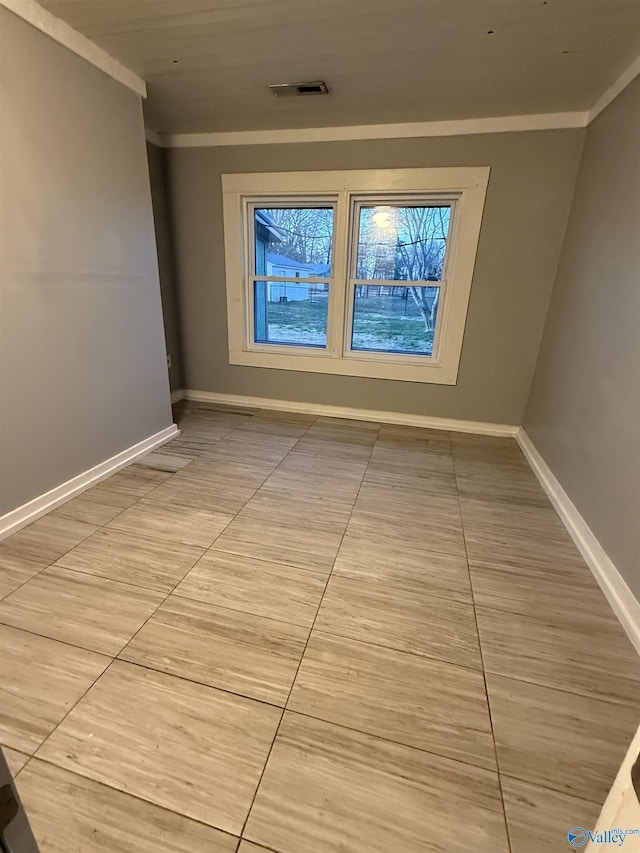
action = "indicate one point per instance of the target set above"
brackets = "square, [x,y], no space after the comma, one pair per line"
[456,127]
[41,19]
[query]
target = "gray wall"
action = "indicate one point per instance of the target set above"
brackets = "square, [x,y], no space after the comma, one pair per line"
[82,367]
[584,411]
[164,243]
[530,188]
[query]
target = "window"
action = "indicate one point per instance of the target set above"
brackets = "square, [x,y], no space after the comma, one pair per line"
[362,273]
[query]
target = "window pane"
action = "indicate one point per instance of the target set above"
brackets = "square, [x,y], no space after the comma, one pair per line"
[394,319]
[399,243]
[293,242]
[291,314]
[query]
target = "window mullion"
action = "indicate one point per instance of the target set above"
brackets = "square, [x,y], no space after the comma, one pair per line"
[337,290]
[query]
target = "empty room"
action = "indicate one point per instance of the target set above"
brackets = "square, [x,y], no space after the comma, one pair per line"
[319,426]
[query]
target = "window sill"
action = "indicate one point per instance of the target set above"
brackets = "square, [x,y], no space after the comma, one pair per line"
[436,374]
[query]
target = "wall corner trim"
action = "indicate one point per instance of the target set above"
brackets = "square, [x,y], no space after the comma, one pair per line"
[59,31]
[630,73]
[17,518]
[623,602]
[401,418]
[177,396]
[151,135]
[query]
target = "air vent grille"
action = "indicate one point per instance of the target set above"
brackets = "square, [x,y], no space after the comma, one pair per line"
[288,90]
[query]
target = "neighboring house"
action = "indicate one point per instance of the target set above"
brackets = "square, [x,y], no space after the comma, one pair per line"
[289,291]
[266,233]
[277,265]
[274,265]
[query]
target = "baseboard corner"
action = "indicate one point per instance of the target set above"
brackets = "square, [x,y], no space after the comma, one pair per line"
[620,597]
[34,509]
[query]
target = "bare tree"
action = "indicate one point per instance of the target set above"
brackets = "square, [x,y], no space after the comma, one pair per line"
[305,233]
[409,249]
[423,256]
[428,309]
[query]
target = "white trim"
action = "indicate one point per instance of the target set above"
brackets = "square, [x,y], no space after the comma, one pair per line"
[623,602]
[455,127]
[177,396]
[34,509]
[614,90]
[400,418]
[151,135]
[59,31]
[467,183]
[620,809]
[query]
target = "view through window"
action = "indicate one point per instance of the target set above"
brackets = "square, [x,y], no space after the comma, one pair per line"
[292,243]
[395,249]
[398,247]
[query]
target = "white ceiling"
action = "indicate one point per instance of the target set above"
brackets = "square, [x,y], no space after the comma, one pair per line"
[207,63]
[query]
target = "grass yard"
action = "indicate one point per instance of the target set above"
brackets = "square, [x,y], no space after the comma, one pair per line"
[383,323]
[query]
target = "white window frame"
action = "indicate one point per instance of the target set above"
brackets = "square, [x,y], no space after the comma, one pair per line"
[466,186]
[250,277]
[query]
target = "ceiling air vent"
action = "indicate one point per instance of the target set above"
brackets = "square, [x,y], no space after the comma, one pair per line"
[286,90]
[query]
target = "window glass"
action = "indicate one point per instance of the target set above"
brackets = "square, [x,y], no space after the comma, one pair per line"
[394,319]
[293,242]
[402,243]
[290,314]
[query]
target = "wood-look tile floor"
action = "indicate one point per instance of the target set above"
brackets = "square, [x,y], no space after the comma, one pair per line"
[310,635]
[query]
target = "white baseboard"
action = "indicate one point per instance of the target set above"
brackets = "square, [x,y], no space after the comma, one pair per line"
[623,602]
[25,514]
[351,413]
[176,396]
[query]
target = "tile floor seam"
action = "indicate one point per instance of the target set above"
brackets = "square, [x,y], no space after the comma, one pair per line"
[284,710]
[549,621]
[234,516]
[233,610]
[128,794]
[204,551]
[219,550]
[259,846]
[265,560]
[440,595]
[445,756]
[353,639]
[484,675]
[59,723]
[48,566]
[591,696]
[551,790]
[56,640]
[270,474]
[85,573]
[150,668]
